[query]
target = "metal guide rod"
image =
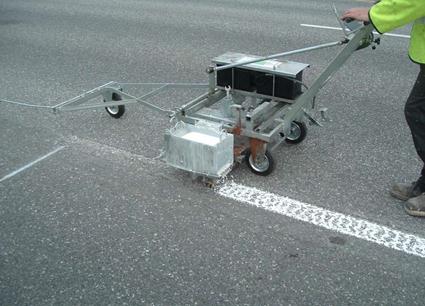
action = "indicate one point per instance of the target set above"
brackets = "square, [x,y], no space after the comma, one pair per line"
[169,85]
[151,106]
[87,95]
[327,45]
[99,105]
[193,102]
[116,103]
[153,92]
[26,104]
[213,98]
[74,103]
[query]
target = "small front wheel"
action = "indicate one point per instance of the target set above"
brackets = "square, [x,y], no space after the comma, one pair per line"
[115,111]
[298,132]
[262,164]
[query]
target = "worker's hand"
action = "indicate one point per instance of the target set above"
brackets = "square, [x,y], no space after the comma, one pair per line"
[360,14]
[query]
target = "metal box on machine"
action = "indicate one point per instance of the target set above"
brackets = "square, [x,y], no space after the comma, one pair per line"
[203,148]
[281,79]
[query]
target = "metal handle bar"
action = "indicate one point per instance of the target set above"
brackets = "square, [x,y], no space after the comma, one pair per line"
[273,56]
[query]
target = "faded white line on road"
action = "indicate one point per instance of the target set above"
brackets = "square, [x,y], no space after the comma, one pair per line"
[335,28]
[334,221]
[30,164]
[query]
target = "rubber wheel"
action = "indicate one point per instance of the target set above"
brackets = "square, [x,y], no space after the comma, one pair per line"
[115,111]
[298,132]
[263,167]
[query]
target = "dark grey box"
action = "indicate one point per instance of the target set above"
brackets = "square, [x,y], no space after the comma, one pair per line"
[273,78]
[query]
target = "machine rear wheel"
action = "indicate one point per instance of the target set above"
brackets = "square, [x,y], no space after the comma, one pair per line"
[298,132]
[262,165]
[115,111]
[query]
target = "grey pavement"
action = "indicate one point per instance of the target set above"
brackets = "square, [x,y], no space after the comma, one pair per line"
[104,222]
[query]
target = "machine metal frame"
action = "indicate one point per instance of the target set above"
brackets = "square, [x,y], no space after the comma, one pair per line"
[258,122]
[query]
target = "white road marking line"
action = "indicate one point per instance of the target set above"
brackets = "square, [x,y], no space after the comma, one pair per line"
[30,164]
[328,219]
[335,28]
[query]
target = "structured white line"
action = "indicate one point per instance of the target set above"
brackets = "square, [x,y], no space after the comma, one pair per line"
[328,219]
[319,26]
[30,164]
[335,28]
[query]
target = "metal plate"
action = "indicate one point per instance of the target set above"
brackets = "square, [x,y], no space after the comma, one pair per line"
[277,67]
[203,148]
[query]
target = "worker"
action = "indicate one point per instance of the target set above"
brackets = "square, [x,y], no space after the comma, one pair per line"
[385,16]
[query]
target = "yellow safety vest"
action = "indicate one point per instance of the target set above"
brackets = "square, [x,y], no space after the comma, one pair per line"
[388,15]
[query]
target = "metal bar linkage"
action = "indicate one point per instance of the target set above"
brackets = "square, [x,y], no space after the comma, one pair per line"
[169,85]
[278,55]
[307,97]
[99,105]
[74,104]
[150,105]
[85,96]
[25,104]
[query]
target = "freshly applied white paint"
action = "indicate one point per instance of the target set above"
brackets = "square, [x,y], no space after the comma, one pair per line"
[202,138]
[328,219]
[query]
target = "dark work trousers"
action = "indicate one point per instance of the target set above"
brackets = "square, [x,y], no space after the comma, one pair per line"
[415,116]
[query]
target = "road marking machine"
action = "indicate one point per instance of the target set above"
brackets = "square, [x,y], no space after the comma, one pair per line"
[251,105]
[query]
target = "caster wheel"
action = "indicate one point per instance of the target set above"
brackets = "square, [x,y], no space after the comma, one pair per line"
[262,165]
[298,132]
[115,111]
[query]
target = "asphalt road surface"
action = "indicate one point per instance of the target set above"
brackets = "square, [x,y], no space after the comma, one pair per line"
[102,221]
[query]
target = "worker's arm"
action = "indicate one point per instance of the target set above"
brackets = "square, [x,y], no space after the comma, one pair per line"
[388,15]
[358,13]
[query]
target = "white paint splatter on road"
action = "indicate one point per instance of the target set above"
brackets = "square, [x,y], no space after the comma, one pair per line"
[334,221]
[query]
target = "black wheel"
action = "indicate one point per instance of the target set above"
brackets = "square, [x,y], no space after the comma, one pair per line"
[262,165]
[115,111]
[298,132]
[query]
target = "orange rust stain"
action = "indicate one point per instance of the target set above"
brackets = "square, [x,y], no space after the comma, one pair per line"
[256,145]
[237,150]
[237,130]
